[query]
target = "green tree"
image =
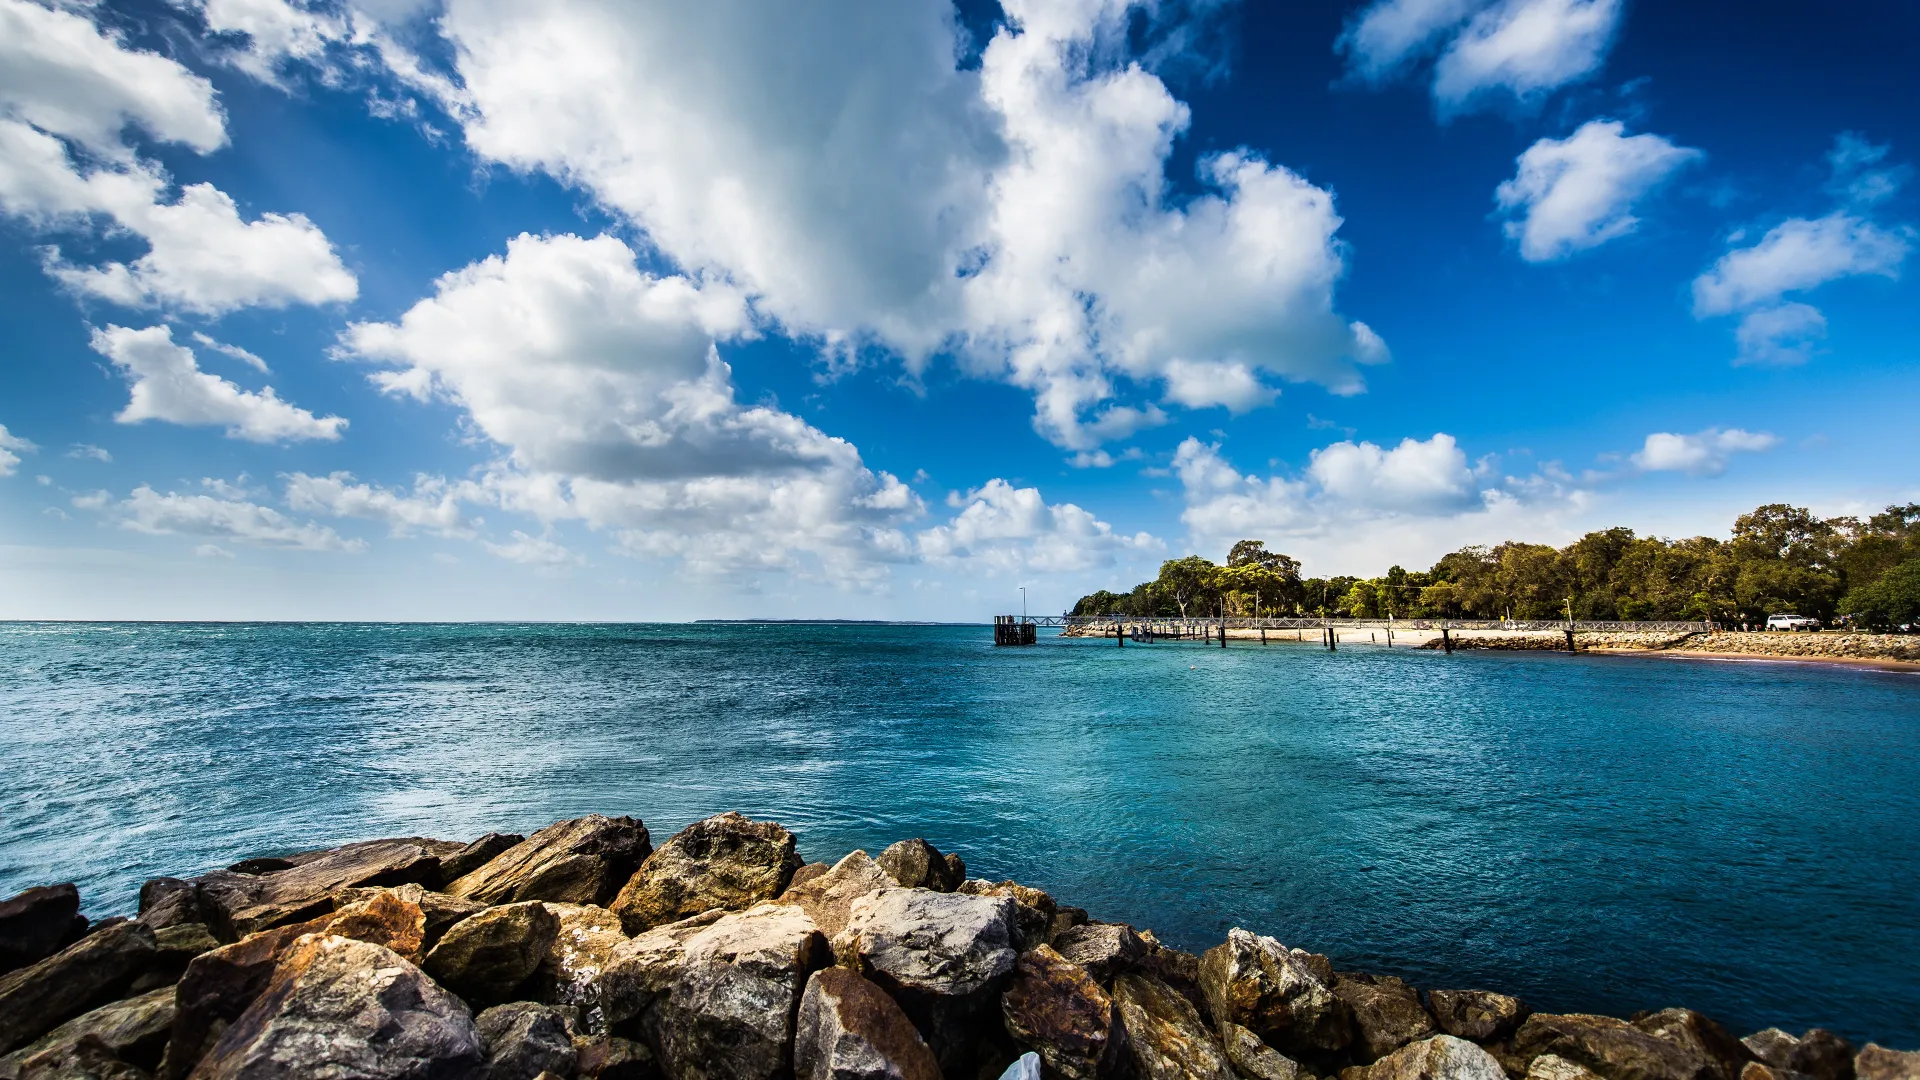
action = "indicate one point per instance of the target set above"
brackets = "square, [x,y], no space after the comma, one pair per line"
[1192,581]
[1889,603]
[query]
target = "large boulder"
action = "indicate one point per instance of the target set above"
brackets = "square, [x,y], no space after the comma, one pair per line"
[438,910]
[643,969]
[581,861]
[828,897]
[1771,1046]
[1725,1054]
[1612,1048]
[1104,949]
[344,1008]
[726,861]
[91,972]
[849,1029]
[583,947]
[1442,1057]
[1555,1067]
[1165,1037]
[729,1014]
[486,957]
[1055,1008]
[1254,1059]
[476,855]
[523,1040]
[168,902]
[134,1030]
[86,1059]
[1258,983]
[301,887]
[1385,1012]
[36,923]
[916,864]
[384,919]
[1033,911]
[1876,1062]
[1822,1055]
[1478,1015]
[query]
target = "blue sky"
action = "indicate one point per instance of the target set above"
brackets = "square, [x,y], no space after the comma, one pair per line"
[608,310]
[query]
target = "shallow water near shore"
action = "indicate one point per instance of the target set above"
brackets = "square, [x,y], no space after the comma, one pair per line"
[1596,834]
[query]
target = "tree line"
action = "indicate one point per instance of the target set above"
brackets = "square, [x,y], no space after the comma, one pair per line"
[1779,559]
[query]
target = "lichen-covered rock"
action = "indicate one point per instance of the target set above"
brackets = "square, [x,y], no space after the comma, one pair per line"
[1385,1013]
[36,923]
[439,910]
[88,1058]
[729,1014]
[523,1040]
[486,957]
[344,1008]
[1442,1057]
[1477,1015]
[1876,1062]
[1104,949]
[1032,914]
[580,861]
[89,973]
[180,943]
[1613,1048]
[583,946]
[1164,1035]
[1555,1067]
[1257,983]
[916,864]
[134,1030]
[168,902]
[828,898]
[643,969]
[726,861]
[1726,1054]
[1253,1059]
[237,904]
[1181,971]
[1055,1008]
[849,1029]
[219,985]
[475,855]
[1771,1046]
[384,919]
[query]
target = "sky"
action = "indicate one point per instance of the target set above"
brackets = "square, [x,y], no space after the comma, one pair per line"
[624,310]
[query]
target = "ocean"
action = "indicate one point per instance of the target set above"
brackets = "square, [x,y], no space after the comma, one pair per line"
[1597,834]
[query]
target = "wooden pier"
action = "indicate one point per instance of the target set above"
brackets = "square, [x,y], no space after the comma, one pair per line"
[1144,630]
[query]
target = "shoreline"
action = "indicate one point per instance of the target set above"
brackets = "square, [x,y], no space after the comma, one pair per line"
[1909,667]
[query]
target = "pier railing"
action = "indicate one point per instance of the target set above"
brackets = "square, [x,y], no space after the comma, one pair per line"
[1239,622]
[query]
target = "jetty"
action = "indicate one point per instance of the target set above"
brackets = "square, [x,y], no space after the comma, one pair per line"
[1019,630]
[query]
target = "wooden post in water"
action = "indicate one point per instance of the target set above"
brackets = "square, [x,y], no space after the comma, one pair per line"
[1446,642]
[1570,647]
[1223,633]
[1119,634]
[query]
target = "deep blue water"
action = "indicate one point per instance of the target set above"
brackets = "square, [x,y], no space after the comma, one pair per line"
[1595,834]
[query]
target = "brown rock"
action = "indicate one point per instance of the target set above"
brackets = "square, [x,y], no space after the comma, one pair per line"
[89,973]
[36,923]
[643,969]
[1613,1048]
[1164,1035]
[1254,1059]
[134,1030]
[916,864]
[1876,1062]
[218,986]
[238,904]
[524,1040]
[726,861]
[486,957]
[1032,914]
[440,910]
[1755,1070]
[384,919]
[1696,1032]
[849,1029]
[344,1008]
[1555,1067]
[1104,949]
[808,873]
[730,1012]
[583,947]
[181,942]
[1771,1046]
[85,1059]
[1178,969]
[607,1057]
[1385,1012]
[168,902]
[1257,983]
[582,861]
[1056,1009]
[476,855]
[1441,1057]
[1478,1015]
[1822,1055]
[828,898]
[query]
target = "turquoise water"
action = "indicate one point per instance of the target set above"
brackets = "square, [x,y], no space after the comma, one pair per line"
[1600,834]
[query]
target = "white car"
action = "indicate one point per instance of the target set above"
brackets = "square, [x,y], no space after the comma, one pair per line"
[1792,622]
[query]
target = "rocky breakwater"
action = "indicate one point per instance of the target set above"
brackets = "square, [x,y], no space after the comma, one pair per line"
[582,951]
[1881,648]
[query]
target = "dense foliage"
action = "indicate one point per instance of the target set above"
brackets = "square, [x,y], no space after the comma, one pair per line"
[1779,559]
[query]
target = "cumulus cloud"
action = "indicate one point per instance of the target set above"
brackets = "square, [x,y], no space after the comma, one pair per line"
[1702,454]
[1428,476]
[1576,193]
[167,384]
[11,447]
[1780,336]
[218,513]
[434,504]
[63,78]
[1004,529]
[90,452]
[1488,49]
[534,551]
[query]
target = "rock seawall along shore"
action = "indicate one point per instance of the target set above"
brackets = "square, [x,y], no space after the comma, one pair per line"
[584,952]
[1889,648]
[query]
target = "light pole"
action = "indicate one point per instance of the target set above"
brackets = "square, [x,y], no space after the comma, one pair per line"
[1023,603]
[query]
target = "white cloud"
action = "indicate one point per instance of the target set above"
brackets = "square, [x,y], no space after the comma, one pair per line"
[534,551]
[834,165]
[434,504]
[276,32]
[236,352]
[222,515]
[167,384]
[1576,193]
[1002,529]
[61,77]
[1702,454]
[90,452]
[1780,336]
[1797,255]
[212,551]
[1426,476]
[11,447]
[1522,49]
[1860,174]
